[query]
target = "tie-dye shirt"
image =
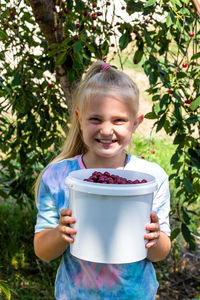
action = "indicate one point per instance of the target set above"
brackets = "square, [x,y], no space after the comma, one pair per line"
[79,279]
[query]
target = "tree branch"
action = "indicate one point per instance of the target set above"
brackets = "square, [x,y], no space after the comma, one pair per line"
[46,19]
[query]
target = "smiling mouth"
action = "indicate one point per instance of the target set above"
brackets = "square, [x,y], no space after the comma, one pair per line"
[102,141]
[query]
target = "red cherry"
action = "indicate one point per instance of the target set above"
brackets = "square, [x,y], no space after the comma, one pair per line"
[49,86]
[85,13]
[94,18]
[122,7]
[112,45]
[11,126]
[142,156]
[54,9]
[94,5]
[60,13]
[170,92]
[99,13]
[184,65]
[94,28]
[110,26]
[75,37]
[153,151]
[77,25]
[11,13]
[191,34]
[103,58]
[135,31]
[66,11]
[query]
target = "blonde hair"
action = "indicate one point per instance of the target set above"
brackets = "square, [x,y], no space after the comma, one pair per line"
[96,82]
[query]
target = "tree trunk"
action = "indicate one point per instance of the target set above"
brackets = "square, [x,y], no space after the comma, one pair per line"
[46,19]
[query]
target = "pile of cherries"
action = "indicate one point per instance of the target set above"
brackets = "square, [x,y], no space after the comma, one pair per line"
[108,178]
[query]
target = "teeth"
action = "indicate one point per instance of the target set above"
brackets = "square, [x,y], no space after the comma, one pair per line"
[106,141]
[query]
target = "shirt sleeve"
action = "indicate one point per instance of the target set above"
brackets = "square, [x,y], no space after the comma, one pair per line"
[48,215]
[161,205]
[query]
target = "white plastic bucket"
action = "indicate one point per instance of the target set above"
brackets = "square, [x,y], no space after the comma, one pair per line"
[110,218]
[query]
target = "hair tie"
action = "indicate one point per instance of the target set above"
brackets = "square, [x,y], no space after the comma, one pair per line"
[105,67]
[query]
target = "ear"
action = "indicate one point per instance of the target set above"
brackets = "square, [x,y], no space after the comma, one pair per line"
[77,115]
[139,119]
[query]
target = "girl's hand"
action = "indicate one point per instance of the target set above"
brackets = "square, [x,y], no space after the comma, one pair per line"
[64,225]
[154,233]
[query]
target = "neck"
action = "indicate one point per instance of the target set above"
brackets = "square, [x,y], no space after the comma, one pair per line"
[104,162]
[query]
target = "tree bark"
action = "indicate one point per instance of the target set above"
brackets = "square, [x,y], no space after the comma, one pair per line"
[46,19]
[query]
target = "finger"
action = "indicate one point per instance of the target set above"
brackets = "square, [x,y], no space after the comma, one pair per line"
[152,235]
[66,220]
[153,227]
[150,244]
[65,212]
[154,218]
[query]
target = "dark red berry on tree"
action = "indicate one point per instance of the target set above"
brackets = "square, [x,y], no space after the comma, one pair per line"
[60,13]
[191,34]
[103,58]
[184,65]
[94,5]
[94,28]
[99,13]
[77,26]
[170,92]
[142,156]
[135,31]
[49,86]
[66,11]
[11,13]
[153,151]
[76,37]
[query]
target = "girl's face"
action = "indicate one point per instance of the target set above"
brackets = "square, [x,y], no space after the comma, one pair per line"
[107,125]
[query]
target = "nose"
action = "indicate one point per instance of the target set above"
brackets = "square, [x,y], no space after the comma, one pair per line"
[106,129]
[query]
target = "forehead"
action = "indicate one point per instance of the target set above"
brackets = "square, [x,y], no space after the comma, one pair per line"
[107,105]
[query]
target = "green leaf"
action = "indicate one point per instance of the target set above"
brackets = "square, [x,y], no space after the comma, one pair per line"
[195,56]
[77,46]
[170,19]
[147,37]
[160,123]
[150,3]
[61,58]
[186,217]
[138,55]
[187,236]
[5,289]
[176,156]
[124,40]
[174,233]
[195,103]
[188,186]
[151,115]
[3,35]
[179,138]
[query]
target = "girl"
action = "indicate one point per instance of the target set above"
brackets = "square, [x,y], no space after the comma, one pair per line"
[105,116]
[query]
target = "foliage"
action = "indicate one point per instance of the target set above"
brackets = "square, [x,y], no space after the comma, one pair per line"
[163,36]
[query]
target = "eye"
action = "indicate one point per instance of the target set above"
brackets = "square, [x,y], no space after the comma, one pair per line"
[95,120]
[120,121]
